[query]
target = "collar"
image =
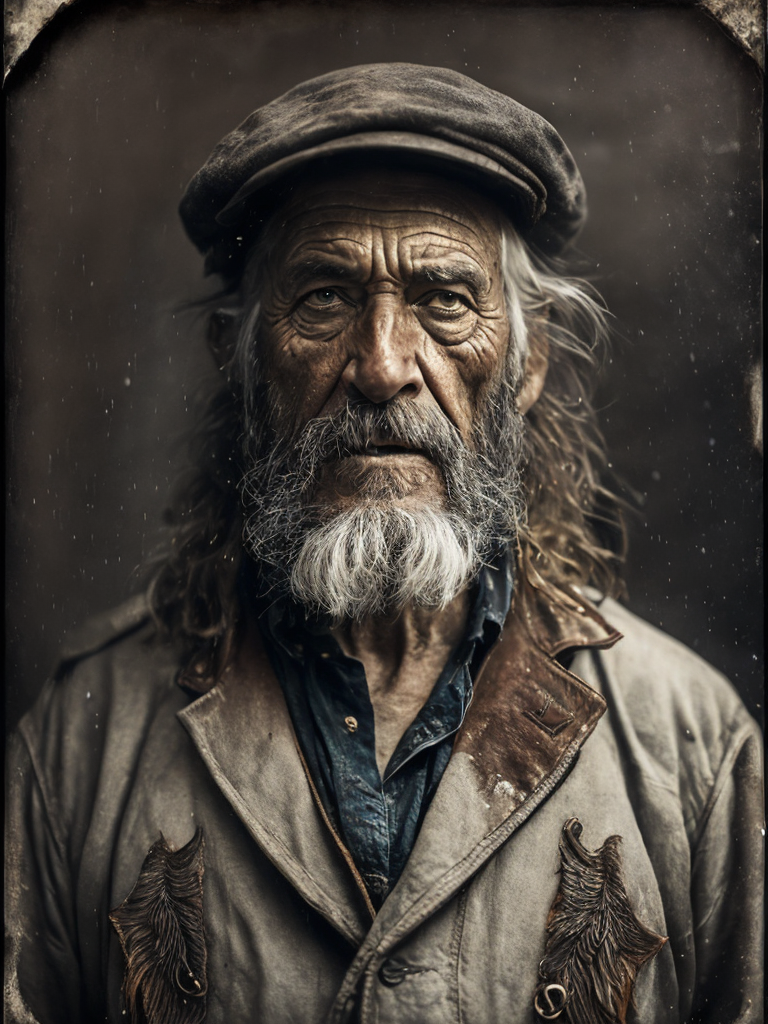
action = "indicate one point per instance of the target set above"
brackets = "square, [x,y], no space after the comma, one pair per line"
[528,709]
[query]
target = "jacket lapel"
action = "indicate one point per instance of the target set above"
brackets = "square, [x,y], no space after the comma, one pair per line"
[521,735]
[243,733]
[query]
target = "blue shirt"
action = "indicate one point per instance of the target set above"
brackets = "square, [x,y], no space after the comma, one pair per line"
[327,697]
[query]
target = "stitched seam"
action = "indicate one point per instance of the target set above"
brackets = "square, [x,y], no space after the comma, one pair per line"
[47,803]
[490,843]
[626,753]
[82,652]
[740,737]
[369,1006]
[337,838]
[723,773]
[201,705]
[455,951]
[74,936]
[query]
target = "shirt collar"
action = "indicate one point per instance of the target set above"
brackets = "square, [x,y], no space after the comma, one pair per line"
[494,596]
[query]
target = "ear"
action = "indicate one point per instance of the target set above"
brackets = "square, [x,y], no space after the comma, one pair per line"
[223,326]
[535,370]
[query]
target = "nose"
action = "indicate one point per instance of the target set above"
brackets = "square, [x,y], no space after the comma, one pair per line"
[383,360]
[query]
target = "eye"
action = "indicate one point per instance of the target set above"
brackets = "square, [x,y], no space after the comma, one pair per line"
[322,298]
[322,312]
[446,302]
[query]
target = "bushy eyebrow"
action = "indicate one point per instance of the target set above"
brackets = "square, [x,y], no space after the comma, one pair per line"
[451,273]
[306,269]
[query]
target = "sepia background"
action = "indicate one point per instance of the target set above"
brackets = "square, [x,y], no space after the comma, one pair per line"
[110,116]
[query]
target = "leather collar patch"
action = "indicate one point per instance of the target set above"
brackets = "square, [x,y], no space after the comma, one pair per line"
[528,710]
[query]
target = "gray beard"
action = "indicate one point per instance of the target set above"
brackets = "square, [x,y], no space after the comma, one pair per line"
[378,557]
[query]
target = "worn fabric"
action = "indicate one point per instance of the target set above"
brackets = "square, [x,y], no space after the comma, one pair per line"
[430,116]
[640,739]
[327,697]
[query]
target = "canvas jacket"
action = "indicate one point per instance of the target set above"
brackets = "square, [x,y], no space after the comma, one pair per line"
[262,915]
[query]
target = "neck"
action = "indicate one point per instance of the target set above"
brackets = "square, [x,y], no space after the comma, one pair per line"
[403,656]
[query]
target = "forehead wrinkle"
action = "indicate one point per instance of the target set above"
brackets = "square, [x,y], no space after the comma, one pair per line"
[340,252]
[436,246]
[327,244]
[368,212]
[323,247]
[311,266]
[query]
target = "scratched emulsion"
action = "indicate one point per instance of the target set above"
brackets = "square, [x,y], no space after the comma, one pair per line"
[743,20]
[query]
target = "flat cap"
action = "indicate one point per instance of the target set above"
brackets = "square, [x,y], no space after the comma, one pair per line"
[406,113]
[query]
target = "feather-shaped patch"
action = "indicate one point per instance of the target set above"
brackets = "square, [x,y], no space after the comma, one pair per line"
[595,943]
[160,925]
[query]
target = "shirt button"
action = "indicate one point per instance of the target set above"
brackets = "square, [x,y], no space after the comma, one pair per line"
[351,723]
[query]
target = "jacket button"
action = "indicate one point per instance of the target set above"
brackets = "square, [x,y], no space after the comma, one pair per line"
[392,972]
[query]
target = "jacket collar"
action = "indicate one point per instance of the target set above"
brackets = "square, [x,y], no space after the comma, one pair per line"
[528,709]
[527,721]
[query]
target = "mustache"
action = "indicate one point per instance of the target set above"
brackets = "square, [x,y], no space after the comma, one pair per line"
[361,428]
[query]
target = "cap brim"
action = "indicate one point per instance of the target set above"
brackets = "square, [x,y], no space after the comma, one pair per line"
[529,196]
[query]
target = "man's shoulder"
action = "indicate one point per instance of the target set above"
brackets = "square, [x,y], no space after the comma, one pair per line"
[121,646]
[663,664]
[668,701]
[114,676]
[104,629]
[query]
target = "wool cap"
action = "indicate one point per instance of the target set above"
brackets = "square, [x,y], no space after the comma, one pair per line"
[399,115]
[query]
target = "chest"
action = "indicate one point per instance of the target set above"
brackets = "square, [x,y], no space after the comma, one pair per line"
[288,937]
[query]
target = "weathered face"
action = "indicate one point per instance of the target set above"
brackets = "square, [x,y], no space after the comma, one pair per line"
[384,286]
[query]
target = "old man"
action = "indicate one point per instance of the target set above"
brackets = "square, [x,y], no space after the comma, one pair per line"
[377,744]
